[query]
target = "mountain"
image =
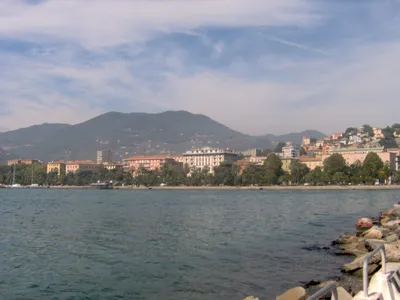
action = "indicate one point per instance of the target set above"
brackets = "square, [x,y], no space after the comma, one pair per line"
[171,132]
[26,137]
[296,137]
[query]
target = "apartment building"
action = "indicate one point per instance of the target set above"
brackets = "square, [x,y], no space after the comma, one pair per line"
[23,162]
[82,166]
[104,156]
[56,166]
[209,157]
[150,163]
[351,155]
[252,152]
[290,151]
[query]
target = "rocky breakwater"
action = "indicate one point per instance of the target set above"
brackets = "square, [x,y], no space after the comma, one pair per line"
[370,233]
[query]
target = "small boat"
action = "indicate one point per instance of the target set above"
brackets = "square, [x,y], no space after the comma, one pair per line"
[108,185]
[33,186]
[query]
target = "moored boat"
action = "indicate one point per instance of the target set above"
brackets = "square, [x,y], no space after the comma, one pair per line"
[107,185]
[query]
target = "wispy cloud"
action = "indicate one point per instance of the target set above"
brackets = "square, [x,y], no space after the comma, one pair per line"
[66,61]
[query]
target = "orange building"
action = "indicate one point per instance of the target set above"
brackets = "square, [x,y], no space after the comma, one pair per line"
[81,165]
[150,163]
[311,162]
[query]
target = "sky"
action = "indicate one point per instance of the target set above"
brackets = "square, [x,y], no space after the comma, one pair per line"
[257,66]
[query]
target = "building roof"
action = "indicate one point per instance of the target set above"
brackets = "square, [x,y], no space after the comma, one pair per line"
[308,159]
[57,162]
[81,162]
[358,149]
[149,157]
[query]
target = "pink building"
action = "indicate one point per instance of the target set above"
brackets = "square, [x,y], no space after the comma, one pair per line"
[336,136]
[150,163]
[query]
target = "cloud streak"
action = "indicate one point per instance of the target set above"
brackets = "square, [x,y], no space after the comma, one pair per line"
[65,61]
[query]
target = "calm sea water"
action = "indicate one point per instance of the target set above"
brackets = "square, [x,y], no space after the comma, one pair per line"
[89,244]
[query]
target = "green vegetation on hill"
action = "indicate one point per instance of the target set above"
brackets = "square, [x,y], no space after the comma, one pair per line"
[135,133]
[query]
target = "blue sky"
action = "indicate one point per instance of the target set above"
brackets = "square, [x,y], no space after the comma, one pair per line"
[258,66]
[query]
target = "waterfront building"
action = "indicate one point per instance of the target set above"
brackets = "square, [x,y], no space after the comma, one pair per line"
[252,152]
[57,166]
[23,161]
[209,157]
[290,150]
[150,163]
[80,165]
[104,155]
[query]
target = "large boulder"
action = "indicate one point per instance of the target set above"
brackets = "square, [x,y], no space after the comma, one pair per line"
[345,238]
[374,232]
[372,244]
[391,238]
[356,248]
[363,223]
[392,224]
[393,252]
[251,298]
[297,293]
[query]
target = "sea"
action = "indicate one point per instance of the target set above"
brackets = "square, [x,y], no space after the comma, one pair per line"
[173,244]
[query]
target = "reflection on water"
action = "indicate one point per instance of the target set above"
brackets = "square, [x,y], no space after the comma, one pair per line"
[87,244]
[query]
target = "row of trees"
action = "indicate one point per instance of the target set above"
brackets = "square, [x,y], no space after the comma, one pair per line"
[334,171]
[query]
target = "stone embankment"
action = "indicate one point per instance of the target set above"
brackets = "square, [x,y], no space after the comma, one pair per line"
[370,233]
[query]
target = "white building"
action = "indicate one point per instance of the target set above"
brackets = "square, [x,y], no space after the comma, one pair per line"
[208,157]
[290,150]
[104,156]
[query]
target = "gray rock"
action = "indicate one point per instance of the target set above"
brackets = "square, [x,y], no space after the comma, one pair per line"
[372,269]
[371,244]
[358,263]
[297,293]
[393,224]
[356,248]
[391,238]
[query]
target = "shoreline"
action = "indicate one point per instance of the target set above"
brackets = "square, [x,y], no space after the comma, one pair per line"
[244,188]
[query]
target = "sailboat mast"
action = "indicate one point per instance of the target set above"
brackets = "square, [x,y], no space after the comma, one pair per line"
[32,175]
[13,182]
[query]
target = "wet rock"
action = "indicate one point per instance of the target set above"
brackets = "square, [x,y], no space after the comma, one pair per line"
[374,232]
[297,293]
[372,244]
[311,283]
[251,298]
[345,238]
[364,223]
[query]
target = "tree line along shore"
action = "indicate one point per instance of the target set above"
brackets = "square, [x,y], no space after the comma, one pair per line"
[335,172]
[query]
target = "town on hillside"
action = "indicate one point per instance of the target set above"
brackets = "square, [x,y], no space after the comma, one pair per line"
[311,157]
